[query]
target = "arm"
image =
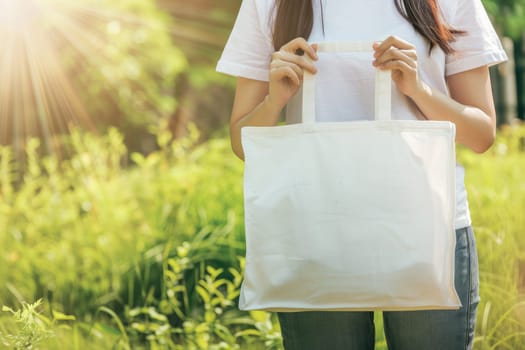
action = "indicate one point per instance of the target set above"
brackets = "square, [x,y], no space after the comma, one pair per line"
[250,108]
[259,103]
[470,105]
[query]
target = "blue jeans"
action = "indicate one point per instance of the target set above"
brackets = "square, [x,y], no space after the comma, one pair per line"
[404,330]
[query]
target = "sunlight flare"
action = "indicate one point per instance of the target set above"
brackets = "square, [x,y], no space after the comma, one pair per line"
[50,51]
[37,98]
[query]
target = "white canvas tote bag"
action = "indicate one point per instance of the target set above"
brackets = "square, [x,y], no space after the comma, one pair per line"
[350,215]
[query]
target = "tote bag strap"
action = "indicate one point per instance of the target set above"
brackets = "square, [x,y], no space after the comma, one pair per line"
[383,82]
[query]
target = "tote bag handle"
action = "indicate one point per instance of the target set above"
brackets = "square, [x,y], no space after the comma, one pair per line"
[383,82]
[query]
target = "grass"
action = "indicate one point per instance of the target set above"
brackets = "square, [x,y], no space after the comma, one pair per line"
[148,256]
[496,188]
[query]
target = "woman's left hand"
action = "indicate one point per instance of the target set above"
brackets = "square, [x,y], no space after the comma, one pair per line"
[400,57]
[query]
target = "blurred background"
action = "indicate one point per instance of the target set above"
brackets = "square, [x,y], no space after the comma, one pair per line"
[121,222]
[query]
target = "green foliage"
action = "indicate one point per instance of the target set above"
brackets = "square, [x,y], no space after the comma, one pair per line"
[88,234]
[497,201]
[75,229]
[508,16]
[213,322]
[147,256]
[31,327]
[127,66]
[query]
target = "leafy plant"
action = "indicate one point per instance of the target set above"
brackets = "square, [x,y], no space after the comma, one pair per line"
[197,309]
[497,202]
[146,255]
[32,327]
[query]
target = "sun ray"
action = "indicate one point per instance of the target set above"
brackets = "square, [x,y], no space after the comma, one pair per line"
[50,53]
[54,89]
[37,97]
[6,95]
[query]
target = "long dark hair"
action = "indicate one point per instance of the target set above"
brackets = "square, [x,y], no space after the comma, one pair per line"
[294,18]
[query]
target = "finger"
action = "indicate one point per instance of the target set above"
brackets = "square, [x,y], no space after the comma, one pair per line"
[411,53]
[278,64]
[305,62]
[300,44]
[285,72]
[391,41]
[301,61]
[396,42]
[314,46]
[399,66]
[393,54]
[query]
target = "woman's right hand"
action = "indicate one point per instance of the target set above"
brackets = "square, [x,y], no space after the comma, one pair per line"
[286,70]
[259,103]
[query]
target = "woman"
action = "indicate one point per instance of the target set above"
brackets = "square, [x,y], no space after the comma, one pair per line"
[439,52]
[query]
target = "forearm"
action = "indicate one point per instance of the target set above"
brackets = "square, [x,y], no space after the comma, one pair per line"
[475,128]
[265,113]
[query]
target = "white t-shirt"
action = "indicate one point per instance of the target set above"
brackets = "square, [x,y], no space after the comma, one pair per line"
[345,82]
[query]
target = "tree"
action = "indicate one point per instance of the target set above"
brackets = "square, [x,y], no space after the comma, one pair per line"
[508,16]
[128,76]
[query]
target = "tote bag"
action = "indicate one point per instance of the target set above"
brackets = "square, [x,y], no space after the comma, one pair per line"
[349,215]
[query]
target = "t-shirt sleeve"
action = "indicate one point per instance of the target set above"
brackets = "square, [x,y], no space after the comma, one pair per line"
[249,48]
[480,46]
